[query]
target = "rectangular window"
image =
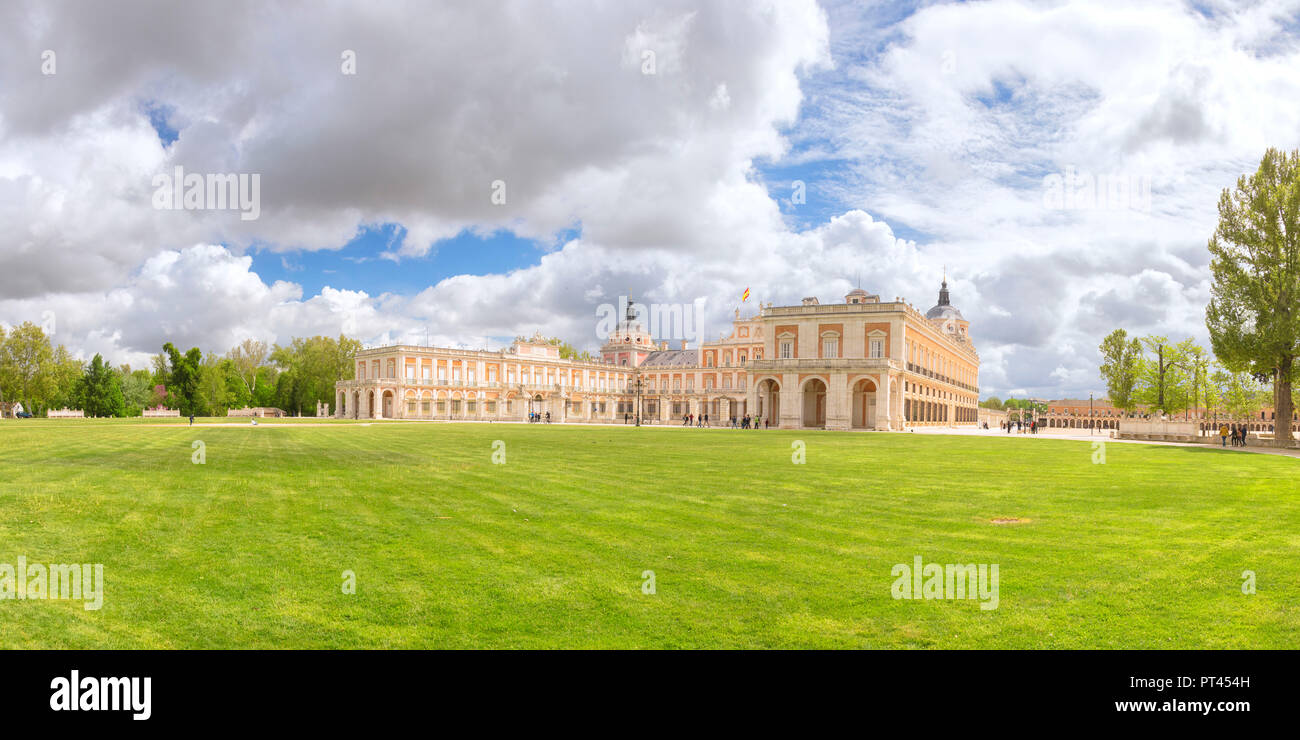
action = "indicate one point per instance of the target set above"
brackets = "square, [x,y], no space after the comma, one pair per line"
[787,350]
[830,348]
[877,349]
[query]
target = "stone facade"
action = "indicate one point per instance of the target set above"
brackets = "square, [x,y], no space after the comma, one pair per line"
[860,364]
[411,382]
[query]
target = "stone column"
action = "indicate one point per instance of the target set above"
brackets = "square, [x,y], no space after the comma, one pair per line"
[885,402]
[791,402]
[838,402]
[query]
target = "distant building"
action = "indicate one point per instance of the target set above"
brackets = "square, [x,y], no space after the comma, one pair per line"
[860,364]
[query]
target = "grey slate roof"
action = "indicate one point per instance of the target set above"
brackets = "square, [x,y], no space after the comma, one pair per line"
[672,358]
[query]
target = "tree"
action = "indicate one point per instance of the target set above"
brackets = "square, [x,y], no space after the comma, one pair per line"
[28,359]
[992,402]
[1120,361]
[1237,393]
[183,374]
[309,369]
[137,389]
[1161,376]
[65,372]
[7,381]
[216,376]
[247,358]
[99,391]
[1253,317]
[1196,366]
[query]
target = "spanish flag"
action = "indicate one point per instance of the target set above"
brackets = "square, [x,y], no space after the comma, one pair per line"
[745,297]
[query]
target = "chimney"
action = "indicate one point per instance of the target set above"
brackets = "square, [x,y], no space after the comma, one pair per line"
[683,344]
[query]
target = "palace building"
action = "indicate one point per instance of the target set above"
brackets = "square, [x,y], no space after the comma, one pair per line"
[860,364]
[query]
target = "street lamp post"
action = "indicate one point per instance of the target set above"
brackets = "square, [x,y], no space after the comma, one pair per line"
[1091,422]
[638,385]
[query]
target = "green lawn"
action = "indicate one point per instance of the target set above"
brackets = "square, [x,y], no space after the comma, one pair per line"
[548,549]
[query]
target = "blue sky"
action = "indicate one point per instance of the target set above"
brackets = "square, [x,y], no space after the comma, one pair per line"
[360,265]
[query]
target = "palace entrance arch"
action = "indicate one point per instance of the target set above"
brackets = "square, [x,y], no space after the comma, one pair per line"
[864,404]
[814,403]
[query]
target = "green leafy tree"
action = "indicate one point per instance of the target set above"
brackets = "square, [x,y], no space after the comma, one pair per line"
[183,373]
[309,369]
[992,402]
[137,389]
[248,358]
[65,372]
[1253,316]
[1238,394]
[1121,359]
[28,361]
[215,377]
[267,381]
[1162,376]
[1196,372]
[7,382]
[99,391]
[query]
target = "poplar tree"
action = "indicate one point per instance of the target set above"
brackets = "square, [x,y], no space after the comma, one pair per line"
[1252,316]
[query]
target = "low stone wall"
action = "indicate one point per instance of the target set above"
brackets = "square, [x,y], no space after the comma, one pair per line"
[160,413]
[261,412]
[1158,430]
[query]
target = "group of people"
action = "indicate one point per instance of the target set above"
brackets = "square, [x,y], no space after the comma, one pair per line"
[699,420]
[1020,426]
[1237,432]
[534,417]
[743,422]
[746,422]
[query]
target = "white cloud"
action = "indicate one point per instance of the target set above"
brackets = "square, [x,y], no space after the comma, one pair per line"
[942,123]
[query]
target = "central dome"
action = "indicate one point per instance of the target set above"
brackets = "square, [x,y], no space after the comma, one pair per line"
[944,310]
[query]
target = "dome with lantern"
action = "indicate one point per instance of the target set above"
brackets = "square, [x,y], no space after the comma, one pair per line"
[947,316]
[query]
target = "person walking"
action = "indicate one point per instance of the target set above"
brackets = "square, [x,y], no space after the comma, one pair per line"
[1223,435]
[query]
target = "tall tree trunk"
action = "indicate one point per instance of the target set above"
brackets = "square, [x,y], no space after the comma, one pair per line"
[1282,405]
